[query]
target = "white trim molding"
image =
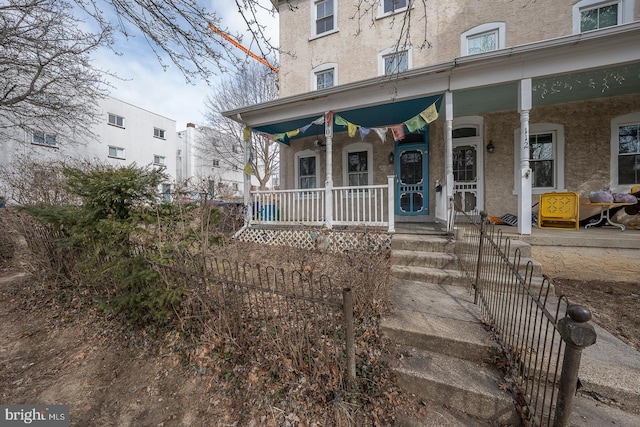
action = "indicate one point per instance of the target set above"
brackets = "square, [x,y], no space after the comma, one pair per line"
[498,27]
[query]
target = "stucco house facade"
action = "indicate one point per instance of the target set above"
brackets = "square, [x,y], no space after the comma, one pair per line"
[531,98]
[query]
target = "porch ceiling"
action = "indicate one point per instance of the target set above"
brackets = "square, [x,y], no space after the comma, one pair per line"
[372,116]
[558,89]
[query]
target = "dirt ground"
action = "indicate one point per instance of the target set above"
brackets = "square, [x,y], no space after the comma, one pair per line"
[614,305]
[52,352]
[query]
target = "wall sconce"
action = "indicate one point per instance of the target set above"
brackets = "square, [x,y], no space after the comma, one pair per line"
[391,158]
[490,147]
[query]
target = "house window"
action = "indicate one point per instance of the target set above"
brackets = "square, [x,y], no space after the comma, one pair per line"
[391,6]
[325,16]
[158,160]
[324,76]
[159,133]
[42,138]
[628,154]
[116,120]
[307,172]
[235,149]
[216,163]
[324,79]
[483,38]
[116,152]
[235,186]
[541,160]
[358,164]
[589,15]
[546,157]
[395,62]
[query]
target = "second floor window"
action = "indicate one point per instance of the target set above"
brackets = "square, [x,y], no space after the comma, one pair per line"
[159,133]
[599,17]
[42,138]
[216,163]
[324,16]
[324,79]
[116,120]
[486,37]
[485,42]
[396,62]
[393,5]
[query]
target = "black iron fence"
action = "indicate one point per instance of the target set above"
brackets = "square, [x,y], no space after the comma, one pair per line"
[304,320]
[542,335]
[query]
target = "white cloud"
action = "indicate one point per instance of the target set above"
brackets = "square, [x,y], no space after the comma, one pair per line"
[166,92]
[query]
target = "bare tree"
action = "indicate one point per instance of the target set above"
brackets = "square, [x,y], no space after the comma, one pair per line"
[47,81]
[251,85]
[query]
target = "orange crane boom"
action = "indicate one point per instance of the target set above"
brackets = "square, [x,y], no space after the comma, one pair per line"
[242,48]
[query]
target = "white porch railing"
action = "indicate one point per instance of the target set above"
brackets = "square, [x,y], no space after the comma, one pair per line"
[370,205]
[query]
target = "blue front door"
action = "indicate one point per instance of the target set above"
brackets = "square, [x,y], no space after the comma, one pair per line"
[412,177]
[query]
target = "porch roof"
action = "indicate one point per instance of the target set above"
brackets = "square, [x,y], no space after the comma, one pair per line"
[582,66]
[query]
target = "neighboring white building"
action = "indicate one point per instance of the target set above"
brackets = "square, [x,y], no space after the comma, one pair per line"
[205,167]
[125,134]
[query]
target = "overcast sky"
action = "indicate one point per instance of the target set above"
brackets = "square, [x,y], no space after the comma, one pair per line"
[166,93]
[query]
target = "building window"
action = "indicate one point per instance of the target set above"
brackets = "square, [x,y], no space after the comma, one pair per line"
[589,15]
[357,164]
[546,157]
[235,186]
[625,167]
[388,7]
[235,168]
[307,169]
[235,149]
[166,192]
[158,160]
[159,133]
[324,79]
[116,120]
[325,16]
[483,38]
[394,62]
[42,138]
[116,152]
[541,160]
[216,163]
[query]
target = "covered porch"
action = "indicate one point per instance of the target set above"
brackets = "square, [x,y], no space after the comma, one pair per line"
[511,84]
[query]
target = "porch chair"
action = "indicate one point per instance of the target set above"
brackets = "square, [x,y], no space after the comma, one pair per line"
[559,210]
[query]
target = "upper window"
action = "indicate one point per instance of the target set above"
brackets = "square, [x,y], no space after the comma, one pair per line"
[589,15]
[357,164]
[546,157]
[42,138]
[116,152]
[625,141]
[483,38]
[392,62]
[116,120]
[216,163]
[159,133]
[388,7]
[325,16]
[324,76]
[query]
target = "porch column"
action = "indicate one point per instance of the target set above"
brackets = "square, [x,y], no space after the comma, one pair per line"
[524,195]
[328,184]
[246,193]
[448,99]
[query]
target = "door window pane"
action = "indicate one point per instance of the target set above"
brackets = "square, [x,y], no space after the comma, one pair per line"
[464,164]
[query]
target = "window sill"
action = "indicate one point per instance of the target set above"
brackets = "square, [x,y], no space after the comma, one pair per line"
[394,12]
[116,126]
[117,158]
[328,33]
[55,147]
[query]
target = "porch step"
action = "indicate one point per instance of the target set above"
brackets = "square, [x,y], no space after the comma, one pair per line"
[429,275]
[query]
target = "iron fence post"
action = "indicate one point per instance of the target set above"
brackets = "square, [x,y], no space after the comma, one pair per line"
[347,306]
[577,334]
[483,217]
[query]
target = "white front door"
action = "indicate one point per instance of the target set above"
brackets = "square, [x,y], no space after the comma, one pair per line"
[468,173]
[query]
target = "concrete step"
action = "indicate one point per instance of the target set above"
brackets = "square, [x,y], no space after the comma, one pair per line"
[467,386]
[423,259]
[422,243]
[429,275]
[423,319]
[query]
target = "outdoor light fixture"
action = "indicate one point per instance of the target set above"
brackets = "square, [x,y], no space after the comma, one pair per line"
[391,158]
[490,147]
